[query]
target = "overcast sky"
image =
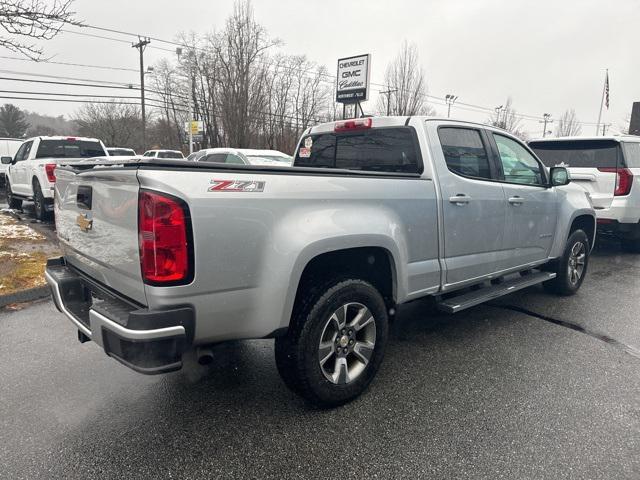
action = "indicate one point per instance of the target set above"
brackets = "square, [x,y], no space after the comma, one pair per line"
[547,55]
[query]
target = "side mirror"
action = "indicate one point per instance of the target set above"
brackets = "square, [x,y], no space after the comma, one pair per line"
[6,160]
[559,176]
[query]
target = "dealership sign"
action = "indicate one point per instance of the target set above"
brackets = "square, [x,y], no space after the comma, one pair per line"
[353,79]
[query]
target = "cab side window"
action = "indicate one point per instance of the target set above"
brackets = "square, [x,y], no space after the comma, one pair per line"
[23,151]
[464,152]
[518,165]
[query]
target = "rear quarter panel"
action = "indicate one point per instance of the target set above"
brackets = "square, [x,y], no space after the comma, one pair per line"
[251,247]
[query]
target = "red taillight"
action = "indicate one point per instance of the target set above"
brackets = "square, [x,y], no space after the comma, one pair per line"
[163,236]
[50,170]
[355,124]
[624,180]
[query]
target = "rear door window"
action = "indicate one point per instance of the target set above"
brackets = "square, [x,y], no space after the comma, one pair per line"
[464,152]
[380,149]
[69,149]
[578,153]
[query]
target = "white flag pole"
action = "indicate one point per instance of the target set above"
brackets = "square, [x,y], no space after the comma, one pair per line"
[604,87]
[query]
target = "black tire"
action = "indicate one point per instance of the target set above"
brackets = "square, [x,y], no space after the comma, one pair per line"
[13,202]
[39,202]
[564,283]
[298,352]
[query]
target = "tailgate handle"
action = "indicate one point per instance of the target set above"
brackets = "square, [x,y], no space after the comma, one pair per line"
[84,197]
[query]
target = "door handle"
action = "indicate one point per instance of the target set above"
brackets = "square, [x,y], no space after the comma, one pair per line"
[460,199]
[516,200]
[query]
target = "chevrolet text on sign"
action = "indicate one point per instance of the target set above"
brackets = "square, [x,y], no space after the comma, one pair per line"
[353,79]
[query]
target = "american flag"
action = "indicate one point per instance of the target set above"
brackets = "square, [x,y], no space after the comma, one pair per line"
[606,90]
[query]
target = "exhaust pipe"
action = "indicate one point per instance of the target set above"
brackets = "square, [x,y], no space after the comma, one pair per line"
[204,355]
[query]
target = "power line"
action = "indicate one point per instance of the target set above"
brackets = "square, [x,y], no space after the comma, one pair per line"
[51,82]
[461,105]
[103,67]
[42,75]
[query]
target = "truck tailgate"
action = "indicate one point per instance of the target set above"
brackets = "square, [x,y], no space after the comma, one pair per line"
[97,222]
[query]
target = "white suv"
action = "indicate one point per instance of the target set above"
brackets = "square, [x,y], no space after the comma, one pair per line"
[608,168]
[31,173]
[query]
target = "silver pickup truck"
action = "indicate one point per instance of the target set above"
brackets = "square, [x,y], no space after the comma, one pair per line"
[162,257]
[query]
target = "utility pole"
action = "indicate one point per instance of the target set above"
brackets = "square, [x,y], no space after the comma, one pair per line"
[190,115]
[604,128]
[388,93]
[546,119]
[141,45]
[450,99]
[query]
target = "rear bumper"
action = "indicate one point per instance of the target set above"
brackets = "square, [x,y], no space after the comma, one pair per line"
[146,341]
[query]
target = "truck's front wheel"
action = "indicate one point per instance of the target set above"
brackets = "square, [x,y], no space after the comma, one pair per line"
[14,203]
[335,343]
[571,268]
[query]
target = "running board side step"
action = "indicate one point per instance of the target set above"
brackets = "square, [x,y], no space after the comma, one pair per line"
[476,297]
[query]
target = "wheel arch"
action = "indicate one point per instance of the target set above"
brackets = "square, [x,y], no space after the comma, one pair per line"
[587,223]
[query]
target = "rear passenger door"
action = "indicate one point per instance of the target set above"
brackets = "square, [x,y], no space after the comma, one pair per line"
[473,205]
[532,207]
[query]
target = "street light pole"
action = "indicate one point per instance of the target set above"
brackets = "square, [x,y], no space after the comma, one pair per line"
[190,114]
[142,43]
[450,99]
[498,110]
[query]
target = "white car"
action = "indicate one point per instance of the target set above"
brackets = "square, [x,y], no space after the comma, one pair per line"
[121,152]
[31,173]
[168,154]
[8,148]
[244,156]
[608,168]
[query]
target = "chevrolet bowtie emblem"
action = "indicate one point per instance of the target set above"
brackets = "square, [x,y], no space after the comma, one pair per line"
[84,223]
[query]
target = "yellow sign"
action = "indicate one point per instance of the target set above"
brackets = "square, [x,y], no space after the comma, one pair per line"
[195,127]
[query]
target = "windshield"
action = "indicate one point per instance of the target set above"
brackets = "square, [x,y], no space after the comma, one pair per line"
[69,148]
[578,153]
[170,155]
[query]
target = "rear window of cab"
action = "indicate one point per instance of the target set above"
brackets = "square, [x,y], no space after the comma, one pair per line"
[389,149]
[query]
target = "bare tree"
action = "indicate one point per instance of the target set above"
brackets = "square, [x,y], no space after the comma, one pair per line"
[507,118]
[624,128]
[13,123]
[568,124]
[241,52]
[26,20]
[116,124]
[406,83]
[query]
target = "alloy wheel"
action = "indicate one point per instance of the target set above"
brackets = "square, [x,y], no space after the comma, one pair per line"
[347,343]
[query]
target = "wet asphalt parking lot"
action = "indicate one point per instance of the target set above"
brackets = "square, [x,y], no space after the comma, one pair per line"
[531,386]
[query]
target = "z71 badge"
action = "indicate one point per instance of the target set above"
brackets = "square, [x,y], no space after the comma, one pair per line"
[236,186]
